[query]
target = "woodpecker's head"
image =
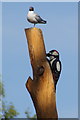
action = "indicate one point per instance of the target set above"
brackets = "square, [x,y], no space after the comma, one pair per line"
[53,54]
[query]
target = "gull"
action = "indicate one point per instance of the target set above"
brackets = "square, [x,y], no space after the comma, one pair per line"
[34,18]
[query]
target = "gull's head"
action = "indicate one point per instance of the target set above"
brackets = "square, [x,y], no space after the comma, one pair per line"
[31,9]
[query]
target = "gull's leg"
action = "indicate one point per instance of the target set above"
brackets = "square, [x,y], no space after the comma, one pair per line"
[34,24]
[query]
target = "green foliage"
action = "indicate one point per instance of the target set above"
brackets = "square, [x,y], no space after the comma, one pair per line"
[10,112]
[2,90]
[34,116]
[2,93]
[6,111]
[28,115]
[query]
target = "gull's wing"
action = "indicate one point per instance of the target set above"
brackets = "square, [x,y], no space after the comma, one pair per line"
[39,19]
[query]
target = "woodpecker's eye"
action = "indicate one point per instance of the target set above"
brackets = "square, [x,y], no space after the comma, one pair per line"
[55,53]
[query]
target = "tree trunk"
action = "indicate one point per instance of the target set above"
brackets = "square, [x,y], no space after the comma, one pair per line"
[41,88]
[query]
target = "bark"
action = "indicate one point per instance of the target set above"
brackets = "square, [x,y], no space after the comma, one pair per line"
[41,88]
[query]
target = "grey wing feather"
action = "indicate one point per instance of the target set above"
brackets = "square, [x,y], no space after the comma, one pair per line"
[39,19]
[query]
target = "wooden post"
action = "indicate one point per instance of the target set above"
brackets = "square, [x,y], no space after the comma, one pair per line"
[41,88]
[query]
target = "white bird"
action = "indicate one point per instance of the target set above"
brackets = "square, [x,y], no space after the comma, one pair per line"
[34,18]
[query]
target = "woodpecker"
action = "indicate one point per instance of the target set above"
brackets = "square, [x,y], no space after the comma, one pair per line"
[55,64]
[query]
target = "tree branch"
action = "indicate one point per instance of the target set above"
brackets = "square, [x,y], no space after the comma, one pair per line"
[41,88]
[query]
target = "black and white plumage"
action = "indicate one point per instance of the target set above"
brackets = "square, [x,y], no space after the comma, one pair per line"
[55,64]
[34,18]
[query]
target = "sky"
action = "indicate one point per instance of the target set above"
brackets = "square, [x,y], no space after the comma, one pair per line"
[60,33]
[0,37]
[40,0]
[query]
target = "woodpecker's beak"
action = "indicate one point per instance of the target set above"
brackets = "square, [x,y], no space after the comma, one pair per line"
[48,54]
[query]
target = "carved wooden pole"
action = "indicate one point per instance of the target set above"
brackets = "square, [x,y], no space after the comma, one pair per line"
[41,88]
